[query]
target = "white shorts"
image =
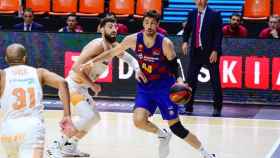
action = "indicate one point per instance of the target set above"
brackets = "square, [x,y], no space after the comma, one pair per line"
[82,106]
[22,136]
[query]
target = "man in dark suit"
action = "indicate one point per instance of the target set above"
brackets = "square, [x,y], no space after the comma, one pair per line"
[205,49]
[28,23]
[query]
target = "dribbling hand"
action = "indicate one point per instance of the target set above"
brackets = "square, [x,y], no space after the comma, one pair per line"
[140,77]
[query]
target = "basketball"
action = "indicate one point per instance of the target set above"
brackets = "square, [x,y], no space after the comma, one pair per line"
[180,94]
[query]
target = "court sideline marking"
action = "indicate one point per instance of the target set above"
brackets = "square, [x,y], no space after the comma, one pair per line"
[273,149]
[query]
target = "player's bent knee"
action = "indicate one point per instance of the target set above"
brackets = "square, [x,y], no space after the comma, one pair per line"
[139,122]
[179,130]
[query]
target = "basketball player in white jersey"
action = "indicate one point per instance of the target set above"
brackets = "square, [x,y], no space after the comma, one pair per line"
[83,76]
[22,128]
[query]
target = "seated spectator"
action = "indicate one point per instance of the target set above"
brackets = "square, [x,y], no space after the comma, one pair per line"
[121,28]
[28,24]
[235,29]
[272,31]
[71,25]
[183,27]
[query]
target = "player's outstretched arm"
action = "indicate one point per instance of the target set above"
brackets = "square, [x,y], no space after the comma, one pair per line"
[139,75]
[53,80]
[128,42]
[80,66]
[130,60]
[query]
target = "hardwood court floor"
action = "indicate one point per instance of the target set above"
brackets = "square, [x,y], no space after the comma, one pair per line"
[116,137]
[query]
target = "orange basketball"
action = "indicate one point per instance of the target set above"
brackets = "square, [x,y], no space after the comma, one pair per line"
[180,94]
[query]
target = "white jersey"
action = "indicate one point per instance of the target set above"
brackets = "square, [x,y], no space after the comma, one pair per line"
[22,95]
[97,69]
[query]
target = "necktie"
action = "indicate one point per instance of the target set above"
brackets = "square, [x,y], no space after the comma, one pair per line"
[28,27]
[197,30]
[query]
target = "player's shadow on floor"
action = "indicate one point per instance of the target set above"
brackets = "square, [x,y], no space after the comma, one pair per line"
[229,110]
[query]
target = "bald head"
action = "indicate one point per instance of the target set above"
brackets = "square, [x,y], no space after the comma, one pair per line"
[15,54]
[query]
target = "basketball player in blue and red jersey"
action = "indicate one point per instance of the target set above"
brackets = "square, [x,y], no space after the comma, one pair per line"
[159,71]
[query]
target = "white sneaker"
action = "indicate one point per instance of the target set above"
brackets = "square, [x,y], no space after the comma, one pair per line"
[70,150]
[164,145]
[54,150]
[210,156]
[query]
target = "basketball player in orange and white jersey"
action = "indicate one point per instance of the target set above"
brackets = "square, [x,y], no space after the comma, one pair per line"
[83,76]
[22,128]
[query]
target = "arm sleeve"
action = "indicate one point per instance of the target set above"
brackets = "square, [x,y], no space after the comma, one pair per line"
[130,60]
[175,68]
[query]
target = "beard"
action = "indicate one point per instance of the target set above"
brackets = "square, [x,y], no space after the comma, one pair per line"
[110,38]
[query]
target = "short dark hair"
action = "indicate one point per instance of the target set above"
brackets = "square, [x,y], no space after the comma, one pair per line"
[236,15]
[28,10]
[110,15]
[274,16]
[107,19]
[152,14]
[72,15]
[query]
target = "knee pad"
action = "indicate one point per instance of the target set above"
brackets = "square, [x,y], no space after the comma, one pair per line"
[85,117]
[179,130]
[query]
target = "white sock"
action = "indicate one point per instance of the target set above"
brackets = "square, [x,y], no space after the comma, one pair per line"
[202,151]
[63,139]
[161,133]
[74,140]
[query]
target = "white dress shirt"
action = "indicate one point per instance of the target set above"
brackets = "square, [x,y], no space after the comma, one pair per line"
[26,28]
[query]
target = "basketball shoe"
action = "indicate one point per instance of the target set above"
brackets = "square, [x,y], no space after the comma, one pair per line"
[164,144]
[210,156]
[69,149]
[54,150]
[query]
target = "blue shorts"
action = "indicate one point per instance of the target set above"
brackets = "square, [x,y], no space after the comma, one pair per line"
[150,102]
[156,95]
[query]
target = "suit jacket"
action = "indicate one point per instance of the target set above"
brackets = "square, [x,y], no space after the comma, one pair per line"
[211,32]
[34,27]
